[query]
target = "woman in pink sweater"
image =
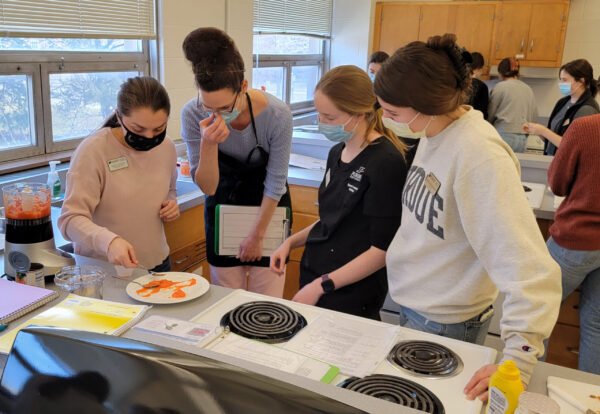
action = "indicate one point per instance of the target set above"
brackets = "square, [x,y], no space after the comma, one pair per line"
[121,182]
[575,241]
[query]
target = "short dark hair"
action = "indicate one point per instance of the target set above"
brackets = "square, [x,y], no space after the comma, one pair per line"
[432,78]
[139,92]
[508,67]
[581,68]
[378,57]
[477,61]
[216,61]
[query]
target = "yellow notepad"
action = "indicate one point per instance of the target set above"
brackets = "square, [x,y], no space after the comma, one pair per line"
[86,314]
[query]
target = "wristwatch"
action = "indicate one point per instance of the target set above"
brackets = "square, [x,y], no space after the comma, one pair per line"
[327,284]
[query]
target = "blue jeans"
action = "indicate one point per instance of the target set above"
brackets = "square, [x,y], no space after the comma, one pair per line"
[518,142]
[582,267]
[473,330]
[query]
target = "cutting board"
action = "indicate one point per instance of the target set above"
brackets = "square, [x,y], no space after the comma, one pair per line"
[573,396]
[536,195]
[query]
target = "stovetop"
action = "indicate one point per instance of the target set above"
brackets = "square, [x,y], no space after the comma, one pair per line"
[447,389]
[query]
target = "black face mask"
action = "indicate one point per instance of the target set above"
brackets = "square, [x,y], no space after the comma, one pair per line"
[140,143]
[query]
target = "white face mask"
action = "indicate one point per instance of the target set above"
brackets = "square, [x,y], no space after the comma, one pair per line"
[403,129]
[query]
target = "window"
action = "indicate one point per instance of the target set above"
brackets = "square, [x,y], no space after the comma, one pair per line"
[61,69]
[289,67]
[290,48]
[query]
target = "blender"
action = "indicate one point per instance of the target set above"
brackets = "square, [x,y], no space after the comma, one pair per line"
[29,235]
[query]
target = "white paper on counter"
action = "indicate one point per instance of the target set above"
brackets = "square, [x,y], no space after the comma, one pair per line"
[353,345]
[309,163]
[558,200]
[536,195]
[574,397]
[178,330]
[271,356]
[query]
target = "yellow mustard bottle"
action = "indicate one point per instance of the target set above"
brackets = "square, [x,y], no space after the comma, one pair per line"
[504,389]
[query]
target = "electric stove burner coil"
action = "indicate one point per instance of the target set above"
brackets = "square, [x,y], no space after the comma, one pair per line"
[424,358]
[265,321]
[397,390]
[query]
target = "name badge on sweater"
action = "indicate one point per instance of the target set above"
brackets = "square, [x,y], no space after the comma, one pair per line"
[117,164]
[566,122]
[432,183]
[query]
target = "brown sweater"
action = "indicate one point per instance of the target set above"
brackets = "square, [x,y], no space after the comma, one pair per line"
[575,173]
[102,203]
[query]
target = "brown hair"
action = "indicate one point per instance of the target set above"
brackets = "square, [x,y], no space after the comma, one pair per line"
[139,92]
[378,57]
[509,67]
[581,68]
[351,91]
[216,61]
[432,78]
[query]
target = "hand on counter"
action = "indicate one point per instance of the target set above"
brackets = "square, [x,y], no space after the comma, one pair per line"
[169,210]
[121,252]
[477,387]
[279,257]
[309,294]
[534,129]
[251,249]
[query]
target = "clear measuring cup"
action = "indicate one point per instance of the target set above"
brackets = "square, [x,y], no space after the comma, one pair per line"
[81,280]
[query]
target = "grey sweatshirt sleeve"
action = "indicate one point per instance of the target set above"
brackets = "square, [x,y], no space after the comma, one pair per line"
[280,142]
[514,254]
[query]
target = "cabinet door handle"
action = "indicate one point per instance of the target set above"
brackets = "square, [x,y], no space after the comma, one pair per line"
[573,350]
[531,46]
[497,46]
[185,259]
[317,203]
[522,44]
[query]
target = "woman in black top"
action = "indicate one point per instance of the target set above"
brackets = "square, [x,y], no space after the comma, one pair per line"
[360,206]
[479,97]
[578,85]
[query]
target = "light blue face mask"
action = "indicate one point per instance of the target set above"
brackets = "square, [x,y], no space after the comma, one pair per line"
[229,117]
[565,88]
[336,133]
[372,77]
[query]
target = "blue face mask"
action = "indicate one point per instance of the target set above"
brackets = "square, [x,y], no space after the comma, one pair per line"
[336,133]
[372,77]
[229,117]
[565,88]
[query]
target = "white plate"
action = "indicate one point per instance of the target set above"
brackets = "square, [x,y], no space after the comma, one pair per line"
[165,295]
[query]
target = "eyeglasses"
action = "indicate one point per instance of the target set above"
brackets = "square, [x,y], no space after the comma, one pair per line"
[204,108]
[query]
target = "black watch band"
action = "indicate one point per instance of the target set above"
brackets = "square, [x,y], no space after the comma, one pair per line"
[327,284]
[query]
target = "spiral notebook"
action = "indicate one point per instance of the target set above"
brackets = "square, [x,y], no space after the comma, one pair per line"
[17,299]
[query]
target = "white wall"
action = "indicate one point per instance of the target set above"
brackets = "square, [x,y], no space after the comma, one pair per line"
[351,21]
[178,18]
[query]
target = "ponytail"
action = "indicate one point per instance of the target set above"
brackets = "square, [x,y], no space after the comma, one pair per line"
[375,123]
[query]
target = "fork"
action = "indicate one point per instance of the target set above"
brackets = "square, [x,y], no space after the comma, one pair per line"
[131,281]
[150,272]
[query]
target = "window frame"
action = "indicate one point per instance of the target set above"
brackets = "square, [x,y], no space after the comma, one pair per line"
[40,65]
[290,61]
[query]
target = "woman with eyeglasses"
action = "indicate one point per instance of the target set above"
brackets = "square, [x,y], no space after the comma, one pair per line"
[121,182]
[238,141]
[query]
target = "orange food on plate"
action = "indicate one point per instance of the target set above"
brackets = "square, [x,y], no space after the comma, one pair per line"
[156,286]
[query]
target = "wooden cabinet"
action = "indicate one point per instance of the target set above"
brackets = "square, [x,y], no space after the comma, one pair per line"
[563,347]
[186,240]
[533,31]
[395,25]
[306,212]
[473,25]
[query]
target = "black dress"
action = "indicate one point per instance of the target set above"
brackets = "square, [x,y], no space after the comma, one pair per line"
[359,206]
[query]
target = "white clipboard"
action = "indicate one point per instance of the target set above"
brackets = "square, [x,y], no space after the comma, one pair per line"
[234,223]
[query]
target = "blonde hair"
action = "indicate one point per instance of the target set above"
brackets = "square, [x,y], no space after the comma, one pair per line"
[351,91]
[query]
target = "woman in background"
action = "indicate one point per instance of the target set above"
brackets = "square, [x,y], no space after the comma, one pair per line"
[575,241]
[343,265]
[239,141]
[578,85]
[375,61]
[479,94]
[121,182]
[467,229]
[512,103]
